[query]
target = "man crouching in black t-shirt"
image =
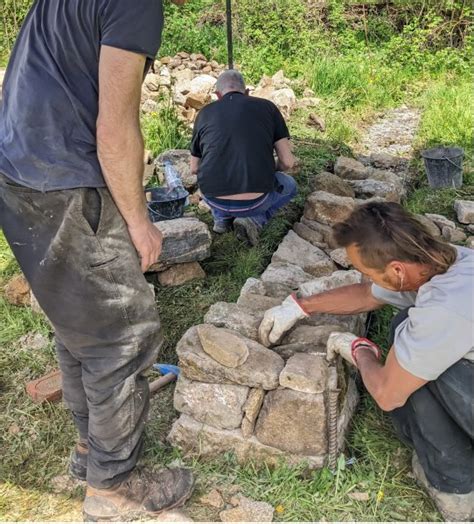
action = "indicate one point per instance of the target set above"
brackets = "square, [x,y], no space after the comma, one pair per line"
[232,155]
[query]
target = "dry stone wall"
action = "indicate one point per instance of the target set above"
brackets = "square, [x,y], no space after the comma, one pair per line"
[292,401]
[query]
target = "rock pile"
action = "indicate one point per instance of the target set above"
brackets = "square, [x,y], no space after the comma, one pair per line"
[188,80]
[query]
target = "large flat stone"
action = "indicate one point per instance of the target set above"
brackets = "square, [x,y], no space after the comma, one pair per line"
[251,410]
[293,422]
[352,323]
[295,250]
[432,228]
[308,234]
[286,351]
[337,279]
[305,372]
[232,316]
[331,183]
[197,439]
[224,347]
[440,220]
[180,274]
[323,229]
[317,336]
[281,279]
[261,369]
[219,405]
[184,240]
[253,286]
[328,208]
[248,510]
[465,211]
[377,188]
[350,168]
[257,303]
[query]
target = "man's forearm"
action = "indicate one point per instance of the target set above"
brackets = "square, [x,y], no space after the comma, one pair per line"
[120,153]
[346,300]
[372,372]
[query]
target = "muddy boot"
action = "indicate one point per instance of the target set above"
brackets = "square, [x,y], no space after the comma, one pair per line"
[223,226]
[454,507]
[78,461]
[247,230]
[144,493]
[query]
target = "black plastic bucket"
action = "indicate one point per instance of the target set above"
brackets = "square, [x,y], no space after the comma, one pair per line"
[164,204]
[443,166]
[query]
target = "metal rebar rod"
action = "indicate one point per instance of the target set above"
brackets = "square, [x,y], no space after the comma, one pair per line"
[230,48]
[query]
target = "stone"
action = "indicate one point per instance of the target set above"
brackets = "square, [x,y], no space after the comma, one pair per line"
[295,250]
[310,235]
[182,81]
[305,372]
[316,121]
[331,184]
[353,323]
[440,220]
[470,228]
[323,229]
[314,336]
[204,441]
[455,236]
[165,60]
[470,242]
[212,499]
[261,369]
[197,100]
[376,188]
[35,307]
[149,106]
[180,159]
[148,173]
[180,274]
[152,82]
[231,316]
[294,422]
[219,405]
[286,351]
[202,84]
[432,228]
[174,515]
[285,100]
[33,341]
[279,81]
[339,256]
[17,291]
[337,279]
[257,302]
[465,211]
[224,347]
[281,279]
[385,175]
[184,240]
[204,207]
[308,101]
[350,169]
[328,208]
[251,410]
[248,510]
[189,114]
[253,286]
[385,160]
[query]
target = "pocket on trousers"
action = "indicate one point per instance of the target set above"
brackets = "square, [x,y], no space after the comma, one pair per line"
[92,208]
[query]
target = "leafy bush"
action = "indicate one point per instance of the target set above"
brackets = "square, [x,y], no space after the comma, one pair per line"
[163,130]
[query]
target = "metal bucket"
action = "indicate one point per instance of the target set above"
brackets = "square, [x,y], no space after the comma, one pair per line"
[164,204]
[443,166]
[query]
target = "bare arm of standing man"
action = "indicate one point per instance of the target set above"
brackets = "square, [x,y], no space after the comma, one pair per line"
[120,146]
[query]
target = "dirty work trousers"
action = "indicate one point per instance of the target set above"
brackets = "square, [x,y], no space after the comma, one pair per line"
[73,247]
[438,422]
[261,210]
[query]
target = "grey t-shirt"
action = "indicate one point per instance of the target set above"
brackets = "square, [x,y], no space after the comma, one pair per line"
[439,330]
[50,91]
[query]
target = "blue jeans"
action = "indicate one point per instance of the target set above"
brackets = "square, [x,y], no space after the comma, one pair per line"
[224,212]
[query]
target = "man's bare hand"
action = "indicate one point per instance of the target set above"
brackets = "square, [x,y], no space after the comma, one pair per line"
[147,240]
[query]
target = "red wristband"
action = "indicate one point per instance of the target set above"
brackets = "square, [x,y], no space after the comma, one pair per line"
[360,343]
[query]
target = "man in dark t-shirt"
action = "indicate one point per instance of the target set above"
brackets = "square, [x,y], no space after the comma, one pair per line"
[232,153]
[73,210]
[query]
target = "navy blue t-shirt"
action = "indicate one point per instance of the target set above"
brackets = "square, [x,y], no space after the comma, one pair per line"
[50,92]
[235,138]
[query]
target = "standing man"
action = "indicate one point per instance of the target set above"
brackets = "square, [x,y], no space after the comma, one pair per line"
[232,154]
[74,214]
[427,380]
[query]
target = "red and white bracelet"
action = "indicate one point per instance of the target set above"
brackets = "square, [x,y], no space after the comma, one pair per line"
[364,343]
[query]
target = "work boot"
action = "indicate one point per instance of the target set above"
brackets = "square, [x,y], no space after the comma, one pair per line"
[223,226]
[78,461]
[454,507]
[247,230]
[143,493]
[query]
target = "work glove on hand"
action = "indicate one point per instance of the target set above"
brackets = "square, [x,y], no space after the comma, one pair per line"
[278,320]
[348,346]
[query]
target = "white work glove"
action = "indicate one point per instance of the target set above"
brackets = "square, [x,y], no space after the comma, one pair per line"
[278,320]
[348,345]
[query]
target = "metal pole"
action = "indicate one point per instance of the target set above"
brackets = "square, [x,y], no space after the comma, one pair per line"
[230,49]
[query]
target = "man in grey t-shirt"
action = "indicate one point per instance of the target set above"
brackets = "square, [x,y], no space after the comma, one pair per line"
[73,210]
[427,380]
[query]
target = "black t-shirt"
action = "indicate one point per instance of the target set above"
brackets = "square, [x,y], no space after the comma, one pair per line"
[234,139]
[50,93]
